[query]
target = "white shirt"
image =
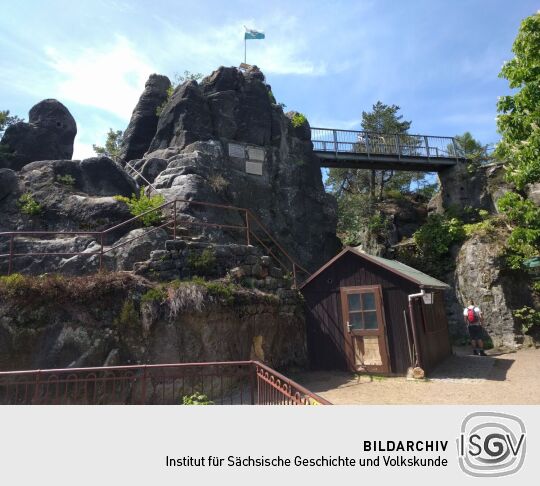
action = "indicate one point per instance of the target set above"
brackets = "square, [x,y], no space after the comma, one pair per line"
[477,311]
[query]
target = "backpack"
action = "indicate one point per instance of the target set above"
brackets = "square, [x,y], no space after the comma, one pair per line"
[471,315]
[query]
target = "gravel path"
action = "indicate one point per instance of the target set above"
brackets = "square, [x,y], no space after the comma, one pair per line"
[512,378]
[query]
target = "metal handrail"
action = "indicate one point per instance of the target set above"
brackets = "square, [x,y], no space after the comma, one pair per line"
[376,144]
[248,216]
[135,383]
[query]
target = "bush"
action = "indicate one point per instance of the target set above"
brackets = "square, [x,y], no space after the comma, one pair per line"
[196,399]
[12,284]
[298,120]
[528,317]
[28,205]
[158,294]
[143,203]
[438,234]
[128,317]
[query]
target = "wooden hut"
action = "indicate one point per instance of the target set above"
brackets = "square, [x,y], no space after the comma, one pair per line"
[367,313]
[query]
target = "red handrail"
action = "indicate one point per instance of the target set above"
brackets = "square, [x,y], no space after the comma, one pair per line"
[248,228]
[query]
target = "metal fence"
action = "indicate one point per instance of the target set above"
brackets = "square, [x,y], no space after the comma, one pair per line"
[219,383]
[377,144]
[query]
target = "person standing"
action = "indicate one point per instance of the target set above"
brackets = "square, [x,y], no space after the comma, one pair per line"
[472,315]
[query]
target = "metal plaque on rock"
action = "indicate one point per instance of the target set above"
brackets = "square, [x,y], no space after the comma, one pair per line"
[254,168]
[236,150]
[256,153]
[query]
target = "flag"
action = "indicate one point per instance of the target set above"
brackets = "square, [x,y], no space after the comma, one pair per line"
[253,34]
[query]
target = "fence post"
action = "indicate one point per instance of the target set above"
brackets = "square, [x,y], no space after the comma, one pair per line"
[427,145]
[143,386]
[253,383]
[10,265]
[248,242]
[36,390]
[335,142]
[367,143]
[174,224]
[455,148]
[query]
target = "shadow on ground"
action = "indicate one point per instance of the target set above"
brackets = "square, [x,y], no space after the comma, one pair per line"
[462,366]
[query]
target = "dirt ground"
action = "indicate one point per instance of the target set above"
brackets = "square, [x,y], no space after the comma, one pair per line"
[512,378]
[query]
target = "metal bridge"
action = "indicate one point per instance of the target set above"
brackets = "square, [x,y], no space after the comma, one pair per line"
[368,150]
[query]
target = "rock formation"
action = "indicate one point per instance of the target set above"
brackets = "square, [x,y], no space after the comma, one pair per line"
[144,120]
[48,135]
[224,141]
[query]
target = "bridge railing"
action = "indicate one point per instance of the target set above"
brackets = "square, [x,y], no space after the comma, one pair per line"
[379,144]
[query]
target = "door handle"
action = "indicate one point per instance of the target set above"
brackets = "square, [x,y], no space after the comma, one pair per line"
[349,327]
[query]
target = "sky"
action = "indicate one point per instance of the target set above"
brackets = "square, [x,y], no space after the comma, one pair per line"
[438,60]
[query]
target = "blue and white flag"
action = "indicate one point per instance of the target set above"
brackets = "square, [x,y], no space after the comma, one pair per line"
[253,34]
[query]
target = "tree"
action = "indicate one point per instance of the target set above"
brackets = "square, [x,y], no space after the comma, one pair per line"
[112,145]
[383,119]
[518,123]
[519,113]
[6,120]
[359,191]
[468,147]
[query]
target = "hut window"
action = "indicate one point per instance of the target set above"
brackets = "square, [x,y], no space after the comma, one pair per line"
[362,310]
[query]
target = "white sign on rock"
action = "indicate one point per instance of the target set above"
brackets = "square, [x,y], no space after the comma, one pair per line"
[256,153]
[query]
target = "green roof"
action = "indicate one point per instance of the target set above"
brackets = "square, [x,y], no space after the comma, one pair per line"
[410,273]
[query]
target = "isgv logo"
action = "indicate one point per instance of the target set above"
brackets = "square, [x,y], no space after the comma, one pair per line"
[491,444]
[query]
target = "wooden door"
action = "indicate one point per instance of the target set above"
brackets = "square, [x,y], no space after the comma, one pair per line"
[364,326]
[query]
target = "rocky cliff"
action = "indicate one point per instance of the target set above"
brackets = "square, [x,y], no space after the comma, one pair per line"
[57,322]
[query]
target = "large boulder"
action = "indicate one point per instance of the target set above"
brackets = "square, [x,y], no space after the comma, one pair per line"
[144,120]
[96,176]
[48,135]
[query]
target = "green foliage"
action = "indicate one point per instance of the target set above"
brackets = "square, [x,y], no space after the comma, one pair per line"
[529,318]
[438,234]
[12,284]
[138,205]
[28,205]
[519,113]
[203,262]
[112,145]
[128,317]
[359,191]
[196,399]
[524,240]
[6,120]
[66,179]
[298,120]
[157,294]
[536,286]
[271,97]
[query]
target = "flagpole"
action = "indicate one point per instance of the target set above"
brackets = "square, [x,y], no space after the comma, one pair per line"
[245,50]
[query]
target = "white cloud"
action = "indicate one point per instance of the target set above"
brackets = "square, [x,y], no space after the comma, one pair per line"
[110,76]
[203,49]
[82,151]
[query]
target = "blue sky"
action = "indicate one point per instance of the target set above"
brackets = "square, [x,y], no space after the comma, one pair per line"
[437,60]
